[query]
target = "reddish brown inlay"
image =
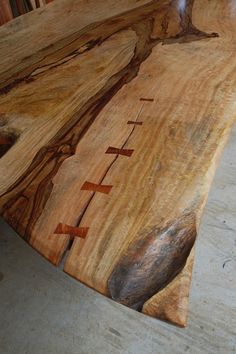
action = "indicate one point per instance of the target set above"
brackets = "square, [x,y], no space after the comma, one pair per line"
[4,140]
[147,99]
[134,122]
[71,230]
[89,186]
[125,152]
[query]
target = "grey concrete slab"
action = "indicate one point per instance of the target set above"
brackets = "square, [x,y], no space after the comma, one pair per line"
[43,310]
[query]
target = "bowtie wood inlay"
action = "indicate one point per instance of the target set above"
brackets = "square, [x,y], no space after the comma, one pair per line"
[89,186]
[64,229]
[134,122]
[117,151]
[147,99]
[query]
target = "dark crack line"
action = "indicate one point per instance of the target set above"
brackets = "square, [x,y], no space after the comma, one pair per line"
[108,169]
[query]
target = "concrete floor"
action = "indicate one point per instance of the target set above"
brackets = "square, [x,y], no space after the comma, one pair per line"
[43,310]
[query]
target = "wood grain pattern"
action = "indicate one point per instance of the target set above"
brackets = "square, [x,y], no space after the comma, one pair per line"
[152,262]
[171,303]
[155,78]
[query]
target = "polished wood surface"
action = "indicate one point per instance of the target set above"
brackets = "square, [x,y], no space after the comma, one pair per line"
[115,126]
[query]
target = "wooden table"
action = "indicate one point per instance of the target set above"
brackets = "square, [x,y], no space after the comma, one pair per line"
[113,117]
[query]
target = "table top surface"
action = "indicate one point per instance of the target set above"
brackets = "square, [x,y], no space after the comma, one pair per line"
[113,118]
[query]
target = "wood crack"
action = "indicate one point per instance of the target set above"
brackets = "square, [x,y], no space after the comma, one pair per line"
[105,175]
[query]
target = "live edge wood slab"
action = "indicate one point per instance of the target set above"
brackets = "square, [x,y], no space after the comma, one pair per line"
[113,115]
